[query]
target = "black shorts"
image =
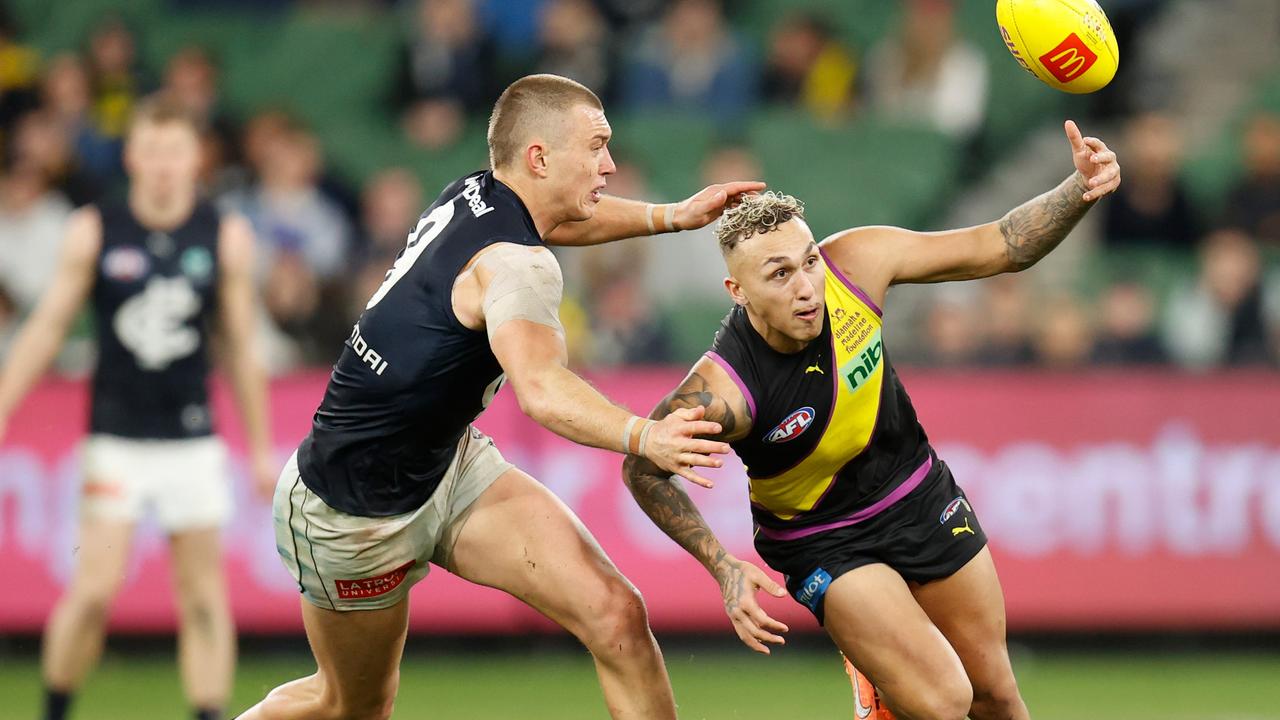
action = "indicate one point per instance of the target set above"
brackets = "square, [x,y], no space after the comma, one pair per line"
[927,535]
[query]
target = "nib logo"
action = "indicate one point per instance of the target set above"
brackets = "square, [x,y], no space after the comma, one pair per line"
[1071,59]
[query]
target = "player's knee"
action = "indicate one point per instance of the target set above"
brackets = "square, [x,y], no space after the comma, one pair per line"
[948,699]
[616,617]
[93,600]
[998,701]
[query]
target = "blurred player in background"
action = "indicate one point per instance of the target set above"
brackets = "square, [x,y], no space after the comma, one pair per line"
[393,476]
[850,501]
[160,268]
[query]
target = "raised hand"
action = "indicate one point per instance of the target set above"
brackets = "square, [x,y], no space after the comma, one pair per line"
[1098,165]
[673,444]
[704,207]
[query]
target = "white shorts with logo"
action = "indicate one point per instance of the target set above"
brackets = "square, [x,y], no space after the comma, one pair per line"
[347,562]
[184,482]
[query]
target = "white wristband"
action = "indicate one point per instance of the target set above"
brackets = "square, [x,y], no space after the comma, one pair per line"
[644,435]
[626,433]
[669,217]
[648,218]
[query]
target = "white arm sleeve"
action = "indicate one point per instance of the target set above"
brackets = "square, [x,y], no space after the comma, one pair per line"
[526,284]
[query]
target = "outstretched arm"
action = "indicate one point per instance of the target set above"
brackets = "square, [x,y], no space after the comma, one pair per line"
[663,499]
[520,291]
[236,302]
[42,334]
[618,219]
[884,256]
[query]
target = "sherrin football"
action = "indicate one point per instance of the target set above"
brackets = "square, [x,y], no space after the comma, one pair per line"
[1067,44]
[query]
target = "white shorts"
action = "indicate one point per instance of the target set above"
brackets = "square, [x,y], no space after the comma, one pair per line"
[348,562]
[183,481]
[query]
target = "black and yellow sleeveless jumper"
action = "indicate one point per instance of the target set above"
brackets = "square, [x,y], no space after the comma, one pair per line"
[835,442]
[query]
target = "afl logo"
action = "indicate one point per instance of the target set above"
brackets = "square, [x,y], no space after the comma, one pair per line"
[125,264]
[791,427]
[952,508]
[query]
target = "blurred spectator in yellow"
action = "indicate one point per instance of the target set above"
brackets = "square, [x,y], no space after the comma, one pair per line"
[575,41]
[809,67]
[1127,332]
[191,79]
[19,73]
[40,142]
[65,95]
[690,61]
[1229,315]
[1151,207]
[1064,336]
[1254,204]
[31,225]
[116,83]
[1005,307]
[446,73]
[391,204]
[925,73]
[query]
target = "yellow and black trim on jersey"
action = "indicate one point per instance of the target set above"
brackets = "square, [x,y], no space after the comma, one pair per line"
[834,437]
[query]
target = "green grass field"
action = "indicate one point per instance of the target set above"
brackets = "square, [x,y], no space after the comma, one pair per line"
[806,685]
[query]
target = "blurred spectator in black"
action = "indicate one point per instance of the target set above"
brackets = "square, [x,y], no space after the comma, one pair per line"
[1064,337]
[32,216]
[1005,308]
[953,334]
[1254,204]
[1151,207]
[1127,332]
[574,41]
[66,96]
[116,83]
[925,73]
[809,67]
[1224,317]
[19,74]
[9,321]
[626,16]
[391,204]
[446,73]
[691,61]
[626,327]
[192,79]
[40,141]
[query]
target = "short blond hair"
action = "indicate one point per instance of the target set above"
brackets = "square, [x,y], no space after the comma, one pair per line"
[756,214]
[526,102]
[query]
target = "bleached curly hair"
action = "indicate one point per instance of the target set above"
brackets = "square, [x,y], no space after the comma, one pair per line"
[756,214]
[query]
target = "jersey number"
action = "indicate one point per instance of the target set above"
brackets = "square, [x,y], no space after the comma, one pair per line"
[429,227]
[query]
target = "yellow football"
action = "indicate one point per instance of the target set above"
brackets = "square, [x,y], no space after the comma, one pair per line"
[1067,44]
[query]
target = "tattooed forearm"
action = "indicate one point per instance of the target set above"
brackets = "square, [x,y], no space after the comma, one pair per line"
[669,506]
[1036,227]
[663,499]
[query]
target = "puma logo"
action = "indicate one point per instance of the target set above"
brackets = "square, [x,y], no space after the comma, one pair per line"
[956,532]
[813,368]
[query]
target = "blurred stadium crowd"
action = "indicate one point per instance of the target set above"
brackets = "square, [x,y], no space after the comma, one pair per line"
[332,124]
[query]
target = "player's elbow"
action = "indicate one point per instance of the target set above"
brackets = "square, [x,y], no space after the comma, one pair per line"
[534,397]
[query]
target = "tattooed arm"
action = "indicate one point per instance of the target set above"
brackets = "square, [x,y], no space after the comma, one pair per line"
[664,500]
[877,257]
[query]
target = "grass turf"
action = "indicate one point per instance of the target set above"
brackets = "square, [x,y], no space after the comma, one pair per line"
[709,684]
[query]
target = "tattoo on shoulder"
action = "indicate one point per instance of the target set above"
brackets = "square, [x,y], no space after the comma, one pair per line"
[696,392]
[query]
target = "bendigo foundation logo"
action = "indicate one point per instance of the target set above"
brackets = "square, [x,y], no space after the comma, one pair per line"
[1069,60]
